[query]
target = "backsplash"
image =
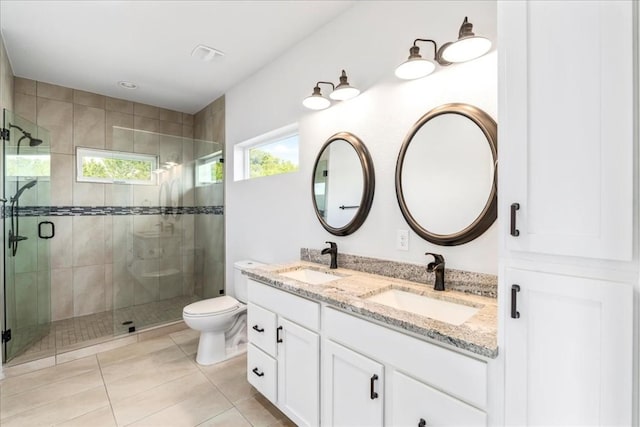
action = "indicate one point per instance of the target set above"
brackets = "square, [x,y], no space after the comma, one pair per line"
[464,281]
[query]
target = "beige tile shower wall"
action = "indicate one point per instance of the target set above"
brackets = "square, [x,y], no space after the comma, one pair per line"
[209,137]
[83,268]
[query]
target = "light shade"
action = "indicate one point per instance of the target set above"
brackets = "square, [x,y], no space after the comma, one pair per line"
[467,47]
[316,101]
[344,91]
[415,69]
[415,66]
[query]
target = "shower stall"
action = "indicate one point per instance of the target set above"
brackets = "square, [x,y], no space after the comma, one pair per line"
[132,263]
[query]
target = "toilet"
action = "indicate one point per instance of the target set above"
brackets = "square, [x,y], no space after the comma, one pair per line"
[221,321]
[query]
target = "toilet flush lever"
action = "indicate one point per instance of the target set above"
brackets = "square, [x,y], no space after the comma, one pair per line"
[257,329]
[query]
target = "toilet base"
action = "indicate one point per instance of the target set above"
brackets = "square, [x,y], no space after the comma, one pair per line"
[212,349]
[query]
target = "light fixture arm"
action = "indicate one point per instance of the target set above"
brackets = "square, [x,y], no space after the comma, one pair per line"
[436,52]
[324,83]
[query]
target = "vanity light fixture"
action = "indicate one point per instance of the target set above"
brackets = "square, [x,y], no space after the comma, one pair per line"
[316,101]
[416,67]
[343,92]
[467,47]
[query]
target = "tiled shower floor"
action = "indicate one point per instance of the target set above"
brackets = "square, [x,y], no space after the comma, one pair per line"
[70,334]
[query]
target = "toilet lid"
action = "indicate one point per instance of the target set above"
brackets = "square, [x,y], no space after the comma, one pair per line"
[212,306]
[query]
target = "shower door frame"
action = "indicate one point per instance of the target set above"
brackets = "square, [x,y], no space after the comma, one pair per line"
[10,329]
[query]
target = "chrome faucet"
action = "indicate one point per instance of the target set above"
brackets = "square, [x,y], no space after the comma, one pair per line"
[438,267]
[333,250]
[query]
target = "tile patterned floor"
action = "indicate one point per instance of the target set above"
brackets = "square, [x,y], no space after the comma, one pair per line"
[149,383]
[64,334]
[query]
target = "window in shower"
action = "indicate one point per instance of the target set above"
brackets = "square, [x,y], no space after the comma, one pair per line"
[28,165]
[210,169]
[117,167]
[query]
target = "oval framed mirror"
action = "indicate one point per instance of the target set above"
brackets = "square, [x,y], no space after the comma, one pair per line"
[342,184]
[446,174]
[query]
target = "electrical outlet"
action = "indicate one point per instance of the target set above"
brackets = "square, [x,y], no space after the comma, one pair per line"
[402,240]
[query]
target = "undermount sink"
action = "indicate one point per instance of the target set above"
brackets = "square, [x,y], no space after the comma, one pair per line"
[444,311]
[312,277]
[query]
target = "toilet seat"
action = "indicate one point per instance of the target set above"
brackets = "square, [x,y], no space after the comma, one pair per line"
[212,307]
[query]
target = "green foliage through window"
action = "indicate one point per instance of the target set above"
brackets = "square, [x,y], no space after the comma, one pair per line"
[28,165]
[114,166]
[262,163]
[116,169]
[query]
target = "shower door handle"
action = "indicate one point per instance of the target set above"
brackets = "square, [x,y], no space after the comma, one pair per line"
[53,230]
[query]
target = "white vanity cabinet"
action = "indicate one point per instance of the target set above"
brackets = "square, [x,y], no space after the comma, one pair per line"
[373,375]
[283,356]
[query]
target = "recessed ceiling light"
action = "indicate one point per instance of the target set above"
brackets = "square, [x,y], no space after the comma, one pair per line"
[205,53]
[127,85]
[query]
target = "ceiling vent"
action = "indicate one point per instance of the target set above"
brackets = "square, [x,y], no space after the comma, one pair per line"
[206,53]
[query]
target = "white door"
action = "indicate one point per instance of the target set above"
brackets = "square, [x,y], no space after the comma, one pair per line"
[566,126]
[298,373]
[353,388]
[568,353]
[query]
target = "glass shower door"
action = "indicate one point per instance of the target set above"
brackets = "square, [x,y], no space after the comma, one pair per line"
[26,196]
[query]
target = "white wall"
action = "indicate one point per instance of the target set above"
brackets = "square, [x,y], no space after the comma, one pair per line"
[270,219]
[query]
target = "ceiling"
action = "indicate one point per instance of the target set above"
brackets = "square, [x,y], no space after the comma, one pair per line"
[91,45]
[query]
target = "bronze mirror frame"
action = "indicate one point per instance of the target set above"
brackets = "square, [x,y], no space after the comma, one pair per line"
[368,188]
[489,213]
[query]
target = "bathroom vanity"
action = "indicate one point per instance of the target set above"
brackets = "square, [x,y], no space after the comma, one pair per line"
[343,347]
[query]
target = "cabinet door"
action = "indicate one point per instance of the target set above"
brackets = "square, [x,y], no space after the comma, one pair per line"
[566,126]
[298,373]
[414,403]
[568,355]
[352,387]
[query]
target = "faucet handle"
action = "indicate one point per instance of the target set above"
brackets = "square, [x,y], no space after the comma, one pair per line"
[333,245]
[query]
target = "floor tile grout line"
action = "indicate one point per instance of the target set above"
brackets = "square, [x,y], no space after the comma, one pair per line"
[81,372]
[106,390]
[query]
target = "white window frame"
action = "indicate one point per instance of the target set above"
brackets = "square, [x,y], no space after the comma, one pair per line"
[242,170]
[82,152]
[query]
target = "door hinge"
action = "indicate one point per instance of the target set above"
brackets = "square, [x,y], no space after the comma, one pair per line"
[6,335]
[4,134]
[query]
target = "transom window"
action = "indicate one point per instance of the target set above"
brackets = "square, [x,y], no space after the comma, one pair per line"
[116,167]
[273,153]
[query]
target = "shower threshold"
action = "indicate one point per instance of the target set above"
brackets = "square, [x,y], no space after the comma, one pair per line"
[84,331]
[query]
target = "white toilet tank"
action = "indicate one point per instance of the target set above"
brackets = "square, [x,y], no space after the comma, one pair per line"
[240,280]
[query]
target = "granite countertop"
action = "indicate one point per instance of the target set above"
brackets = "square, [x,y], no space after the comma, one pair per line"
[477,335]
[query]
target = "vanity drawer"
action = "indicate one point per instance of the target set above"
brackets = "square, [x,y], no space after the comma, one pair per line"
[299,310]
[261,328]
[262,372]
[413,401]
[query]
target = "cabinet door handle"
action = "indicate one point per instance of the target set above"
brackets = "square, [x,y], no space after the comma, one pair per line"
[278,339]
[256,328]
[374,395]
[515,314]
[514,208]
[258,373]
[422,423]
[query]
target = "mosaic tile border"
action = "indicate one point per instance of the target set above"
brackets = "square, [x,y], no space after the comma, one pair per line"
[482,284]
[114,210]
